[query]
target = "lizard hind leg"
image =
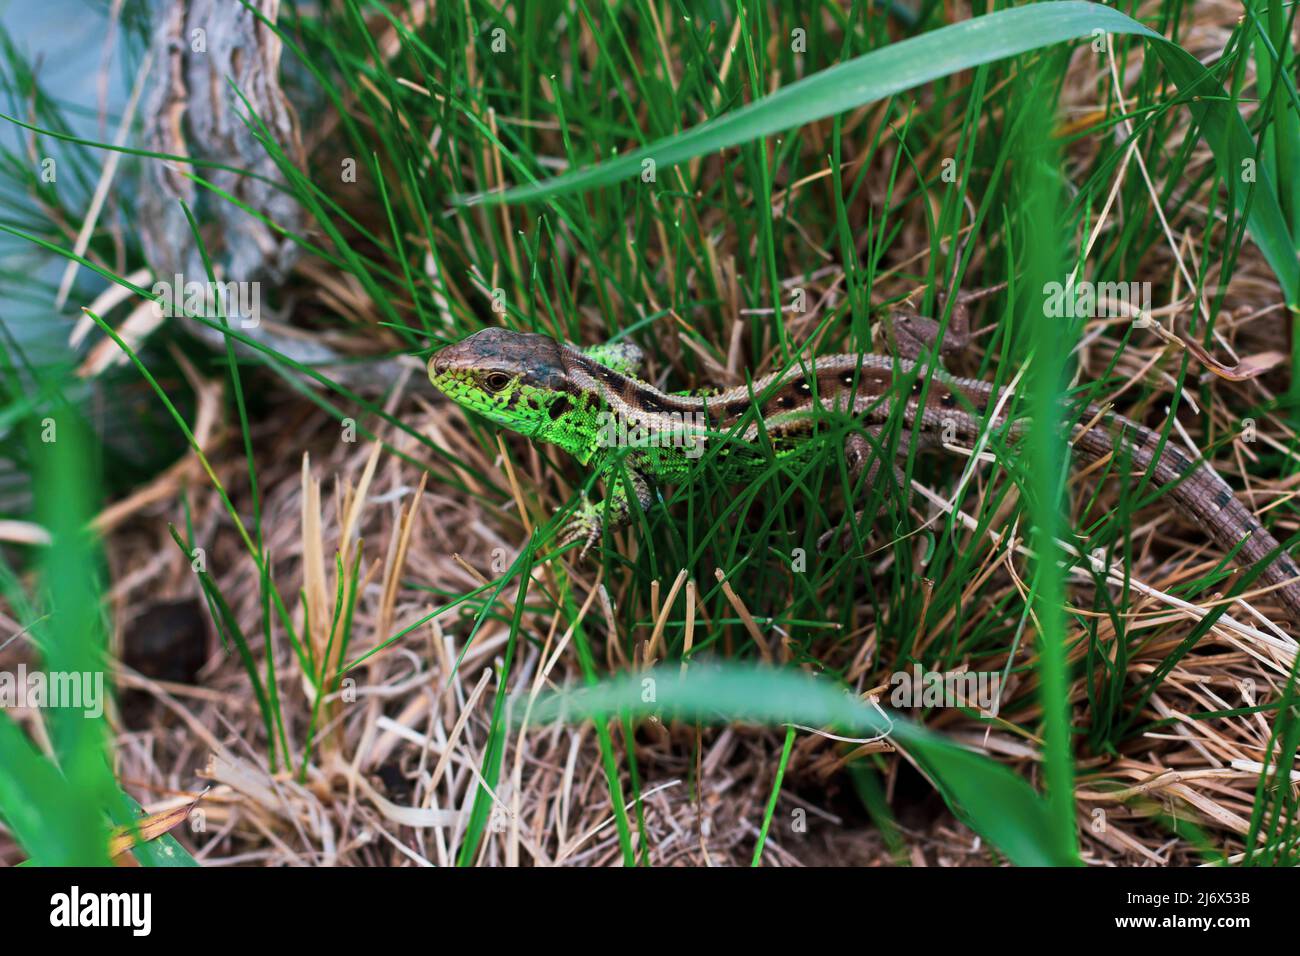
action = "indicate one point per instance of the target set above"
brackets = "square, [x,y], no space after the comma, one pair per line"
[863,453]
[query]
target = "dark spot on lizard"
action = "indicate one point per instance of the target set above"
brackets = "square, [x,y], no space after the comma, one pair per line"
[1223,497]
[833,383]
[609,376]
[1178,460]
[651,404]
[559,407]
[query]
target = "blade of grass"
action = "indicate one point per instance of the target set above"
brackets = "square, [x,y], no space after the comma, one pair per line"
[771,801]
[991,799]
[912,62]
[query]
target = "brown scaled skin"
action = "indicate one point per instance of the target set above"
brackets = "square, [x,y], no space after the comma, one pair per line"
[535,357]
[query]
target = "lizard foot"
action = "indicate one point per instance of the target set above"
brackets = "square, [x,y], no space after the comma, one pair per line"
[583,525]
[845,534]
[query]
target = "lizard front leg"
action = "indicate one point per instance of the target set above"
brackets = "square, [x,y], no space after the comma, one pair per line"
[861,452]
[591,518]
[623,357]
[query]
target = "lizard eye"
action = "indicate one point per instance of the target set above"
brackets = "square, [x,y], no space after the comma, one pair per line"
[496,381]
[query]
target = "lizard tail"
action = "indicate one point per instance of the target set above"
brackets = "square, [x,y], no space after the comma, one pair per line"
[1205,496]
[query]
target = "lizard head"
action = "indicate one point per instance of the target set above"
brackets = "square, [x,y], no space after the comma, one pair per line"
[516,379]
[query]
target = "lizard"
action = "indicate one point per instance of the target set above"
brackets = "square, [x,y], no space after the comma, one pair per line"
[555,392]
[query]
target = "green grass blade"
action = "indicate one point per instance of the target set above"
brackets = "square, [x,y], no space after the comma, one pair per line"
[846,86]
[991,799]
[776,792]
[960,46]
[1049,366]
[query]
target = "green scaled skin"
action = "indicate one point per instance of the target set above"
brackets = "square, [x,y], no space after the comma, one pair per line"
[534,385]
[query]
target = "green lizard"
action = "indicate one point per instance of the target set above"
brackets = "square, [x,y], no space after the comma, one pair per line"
[583,400]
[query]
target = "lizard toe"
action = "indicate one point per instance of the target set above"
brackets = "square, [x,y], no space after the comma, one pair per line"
[584,525]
